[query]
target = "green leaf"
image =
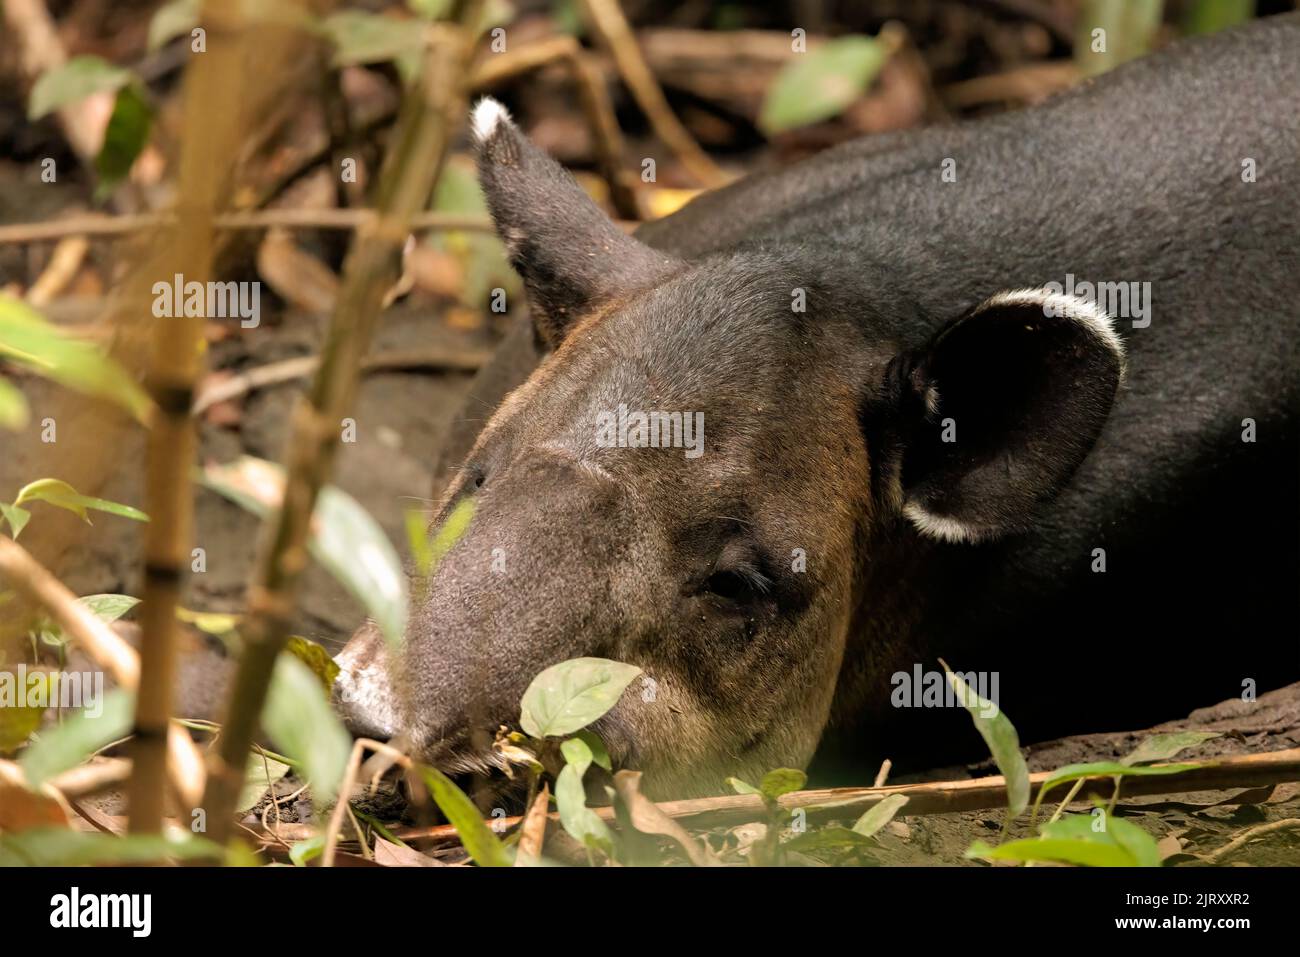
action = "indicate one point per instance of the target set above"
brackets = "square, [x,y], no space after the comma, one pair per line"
[67,744]
[345,539]
[830,838]
[16,517]
[1103,769]
[742,787]
[1074,840]
[124,139]
[316,658]
[109,607]
[881,814]
[61,494]
[1130,27]
[298,717]
[27,339]
[599,753]
[75,80]
[580,821]
[307,850]
[483,846]
[450,532]
[18,719]
[781,781]
[1211,16]
[171,20]
[819,84]
[361,37]
[1162,747]
[260,774]
[61,847]
[571,695]
[1000,735]
[14,412]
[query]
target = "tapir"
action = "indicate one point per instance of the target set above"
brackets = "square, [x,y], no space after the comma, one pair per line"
[1021,394]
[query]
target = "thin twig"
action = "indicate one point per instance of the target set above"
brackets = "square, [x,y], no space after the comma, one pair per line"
[28,576]
[608,23]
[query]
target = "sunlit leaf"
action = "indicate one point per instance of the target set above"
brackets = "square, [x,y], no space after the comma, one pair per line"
[1089,840]
[881,814]
[298,717]
[599,753]
[16,517]
[361,37]
[260,776]
[14,412]
[315,657]
[483,846]
[781,781]
[73,740]
[1211,16]
[1103,769]
[819,84]
[829,838]
[344,538]
[571,695]
[109,607]
[171,20]
[1162,747]
[742,787]
[1003,743]
[580,821]
[18,719]
[307,850]
[61,847]
[75,80]
[61,494]
[28,340]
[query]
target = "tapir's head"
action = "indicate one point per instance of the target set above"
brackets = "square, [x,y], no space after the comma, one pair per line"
[693,479]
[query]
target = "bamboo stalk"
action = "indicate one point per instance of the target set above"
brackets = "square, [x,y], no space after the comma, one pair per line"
[420,144]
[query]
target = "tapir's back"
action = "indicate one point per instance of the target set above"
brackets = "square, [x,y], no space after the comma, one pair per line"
[1177,179]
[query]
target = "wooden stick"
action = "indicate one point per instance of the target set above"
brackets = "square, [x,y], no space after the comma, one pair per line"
[615,34]
[104,645]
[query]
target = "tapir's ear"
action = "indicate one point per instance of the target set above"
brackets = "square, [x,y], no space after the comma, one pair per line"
[994,414]
[571,256]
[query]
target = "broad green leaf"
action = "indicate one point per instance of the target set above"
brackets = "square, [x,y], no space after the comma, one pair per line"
[61,847]
[260,775]
[67,744]
[124,139]
[1211,16]
[599,753]
[1000,735]
[1076,839]
[580,821]
[109,607]
[14,412]
[781,781]
[298,717]
[59,493]
[829,838]
[1103,769]
[345,539]
[1162,747]
[16,517]
[819,84]
[483,846]
[18,719]
[742,787]
[1127,27]
[881,814]
[315,657]
[361,37]
[75,80]
[171,20]
[571,695]
[210,622]
[27,339]
[307,850]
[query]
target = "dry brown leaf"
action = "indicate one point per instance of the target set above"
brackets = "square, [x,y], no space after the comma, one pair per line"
[649,819]
[532,832]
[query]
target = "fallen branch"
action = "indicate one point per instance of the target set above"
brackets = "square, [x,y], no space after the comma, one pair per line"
[286,370]
[28,576]
[1241,840]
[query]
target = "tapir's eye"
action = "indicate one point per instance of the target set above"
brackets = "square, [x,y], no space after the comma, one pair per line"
[476,475]
[738,582]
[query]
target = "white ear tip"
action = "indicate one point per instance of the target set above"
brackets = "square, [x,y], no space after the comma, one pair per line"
[487,116]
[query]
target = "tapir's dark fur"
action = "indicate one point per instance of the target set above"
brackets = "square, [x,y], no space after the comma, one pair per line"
[822,429]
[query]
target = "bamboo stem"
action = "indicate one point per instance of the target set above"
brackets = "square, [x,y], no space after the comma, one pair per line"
[420,143]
